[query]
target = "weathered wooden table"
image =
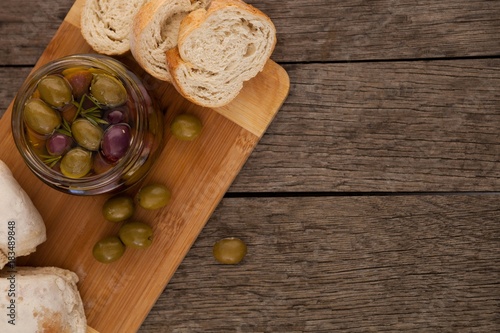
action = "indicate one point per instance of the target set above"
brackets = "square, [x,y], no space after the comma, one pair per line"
[372,203]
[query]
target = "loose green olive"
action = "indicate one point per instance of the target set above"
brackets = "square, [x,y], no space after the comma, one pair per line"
[136,235]
[55,90]
[153,196]
[186,127]
[229,250]
[118,208]
[108,249]
[108,91]
[40,117]
[87,134]
[76,163]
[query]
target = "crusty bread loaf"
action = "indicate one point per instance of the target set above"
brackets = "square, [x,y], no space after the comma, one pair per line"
[21,228]
[106,24]
[218,49]
[42,299]
[155,30]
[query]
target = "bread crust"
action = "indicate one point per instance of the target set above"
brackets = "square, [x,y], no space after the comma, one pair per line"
[146,35]
[106,24]
[179,65]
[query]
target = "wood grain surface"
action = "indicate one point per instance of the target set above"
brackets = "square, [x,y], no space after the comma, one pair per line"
[197,173]
[371,202]
[342,264]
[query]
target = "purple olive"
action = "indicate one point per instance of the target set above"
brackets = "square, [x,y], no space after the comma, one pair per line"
[114,116]
[58,144]
[116,141]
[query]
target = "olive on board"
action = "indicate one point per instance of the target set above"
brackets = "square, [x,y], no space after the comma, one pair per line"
[55,90]
[118,208]
[137,235]
[153,196]
[108,249]
[186,127]
[40,117]
[229,250]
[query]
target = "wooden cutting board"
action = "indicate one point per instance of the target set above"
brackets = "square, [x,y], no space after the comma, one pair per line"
[118,296]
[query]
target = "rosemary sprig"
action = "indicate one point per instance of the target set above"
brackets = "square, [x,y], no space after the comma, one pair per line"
[92,114]
[65,128]
[50,160]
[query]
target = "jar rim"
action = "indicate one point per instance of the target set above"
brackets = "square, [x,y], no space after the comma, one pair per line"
[93,184]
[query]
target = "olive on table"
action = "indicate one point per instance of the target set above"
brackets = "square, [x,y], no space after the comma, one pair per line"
[108,90]
[229,250]
[87,134]
[118,208]
[137,235]
[108,249]
[55,90]
[153,196]
[76,163]
[186,127]
[40,117]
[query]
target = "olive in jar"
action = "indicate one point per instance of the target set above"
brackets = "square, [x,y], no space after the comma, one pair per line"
[108,90]
[55,91]
[40,117]
[87,134]
[76,163]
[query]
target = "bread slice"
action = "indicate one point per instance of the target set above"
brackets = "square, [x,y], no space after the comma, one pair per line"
[218,49]
[106,24]
[155,30]
[42,299]
[22,228]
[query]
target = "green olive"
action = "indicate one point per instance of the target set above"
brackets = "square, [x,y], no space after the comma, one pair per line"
[76,163]
[136,235]
[40,117]
[86,134]
[186,127]
[108,90]
[118,208]
[153,196]
[108,249]
[229,250]
[55,90]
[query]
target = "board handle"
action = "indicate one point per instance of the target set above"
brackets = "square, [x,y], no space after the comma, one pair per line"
[91,330]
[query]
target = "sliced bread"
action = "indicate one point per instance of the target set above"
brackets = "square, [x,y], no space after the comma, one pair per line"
[106,24]
[218,49]
[155,30]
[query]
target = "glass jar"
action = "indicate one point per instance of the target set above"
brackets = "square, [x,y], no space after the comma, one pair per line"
[125,132]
